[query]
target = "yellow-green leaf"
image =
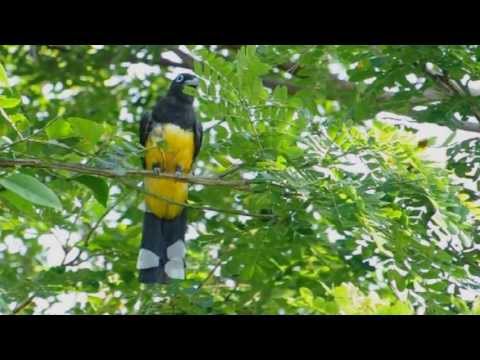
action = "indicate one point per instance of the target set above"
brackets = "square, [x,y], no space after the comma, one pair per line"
[7,103]
[75,127]
[59,129]
[307,295]
[3,77]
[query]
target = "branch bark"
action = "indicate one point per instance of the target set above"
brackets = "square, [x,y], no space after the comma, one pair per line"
[467,126]
[23,305]
[451,87]
[110,173]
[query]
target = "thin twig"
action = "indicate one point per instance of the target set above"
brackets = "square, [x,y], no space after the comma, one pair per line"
[214,125]
[75,221]
[450,87]
[60,145]
[30,139]
[10,122]
[229,295]
[120,175]
[192,206]
[210,274]
[23,305]
[230,171]
[95,227]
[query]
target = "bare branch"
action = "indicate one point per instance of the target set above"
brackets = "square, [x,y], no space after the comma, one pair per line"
[187,60]
[232,170]
[464,125]
[210,274]
[10,122]
[166,62]
[23,305]
[110,173]
[452,87]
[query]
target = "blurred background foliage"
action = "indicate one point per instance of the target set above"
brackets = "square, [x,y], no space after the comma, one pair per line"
[346,213]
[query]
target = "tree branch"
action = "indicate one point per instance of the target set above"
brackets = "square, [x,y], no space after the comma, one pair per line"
[210,274]
[122,175]
[452,87]
[187,60]
[110,173]
[23,305]
[464,125]
[192,206]
[10,122]
[166,62]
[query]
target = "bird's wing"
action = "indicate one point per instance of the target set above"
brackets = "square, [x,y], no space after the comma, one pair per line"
[198,138]
[146,124]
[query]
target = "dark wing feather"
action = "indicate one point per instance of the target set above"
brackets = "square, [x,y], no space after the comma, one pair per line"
[198,138]
[145,127]
[146,124]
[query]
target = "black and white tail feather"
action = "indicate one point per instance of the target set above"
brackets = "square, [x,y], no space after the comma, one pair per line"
[162,253]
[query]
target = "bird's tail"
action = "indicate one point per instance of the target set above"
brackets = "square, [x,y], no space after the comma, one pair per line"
[162,253]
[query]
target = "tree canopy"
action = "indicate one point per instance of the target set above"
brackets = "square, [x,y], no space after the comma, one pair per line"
[305,199]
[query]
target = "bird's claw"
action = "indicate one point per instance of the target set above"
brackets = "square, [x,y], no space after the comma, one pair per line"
[179,171]
[156,170]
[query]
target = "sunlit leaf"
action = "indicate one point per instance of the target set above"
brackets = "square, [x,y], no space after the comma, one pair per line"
[3,77]
[8,102]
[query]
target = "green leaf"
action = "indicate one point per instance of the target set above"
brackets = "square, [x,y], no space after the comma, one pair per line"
[32,190]
[87,129]
[8,103]
[398,308]
[18,118]
[3,77]
[190,91]
[476,306]
[98,186]
[75,127]
[306,295]
[59,129]
[449,139]
[22,205]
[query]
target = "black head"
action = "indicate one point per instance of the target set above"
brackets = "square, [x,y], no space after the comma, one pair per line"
[182,80]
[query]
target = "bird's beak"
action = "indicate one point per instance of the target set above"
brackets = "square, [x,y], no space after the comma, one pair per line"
[193,82]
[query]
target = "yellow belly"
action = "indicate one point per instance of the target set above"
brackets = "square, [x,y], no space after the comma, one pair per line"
[169,147]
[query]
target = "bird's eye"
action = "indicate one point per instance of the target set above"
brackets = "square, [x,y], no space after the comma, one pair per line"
[179,79]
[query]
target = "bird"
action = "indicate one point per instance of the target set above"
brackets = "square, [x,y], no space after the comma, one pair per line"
[172,137]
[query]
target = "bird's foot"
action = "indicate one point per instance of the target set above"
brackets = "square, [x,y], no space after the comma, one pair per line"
[179,171]
[157,170]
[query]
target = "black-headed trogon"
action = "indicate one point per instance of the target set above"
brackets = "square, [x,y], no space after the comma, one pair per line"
[172,138]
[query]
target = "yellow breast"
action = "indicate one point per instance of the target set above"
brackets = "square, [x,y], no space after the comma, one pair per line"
[168,147]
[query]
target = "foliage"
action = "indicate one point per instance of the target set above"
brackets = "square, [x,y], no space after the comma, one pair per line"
[346,214]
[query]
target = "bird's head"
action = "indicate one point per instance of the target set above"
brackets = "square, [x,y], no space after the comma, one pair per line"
[178,84]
